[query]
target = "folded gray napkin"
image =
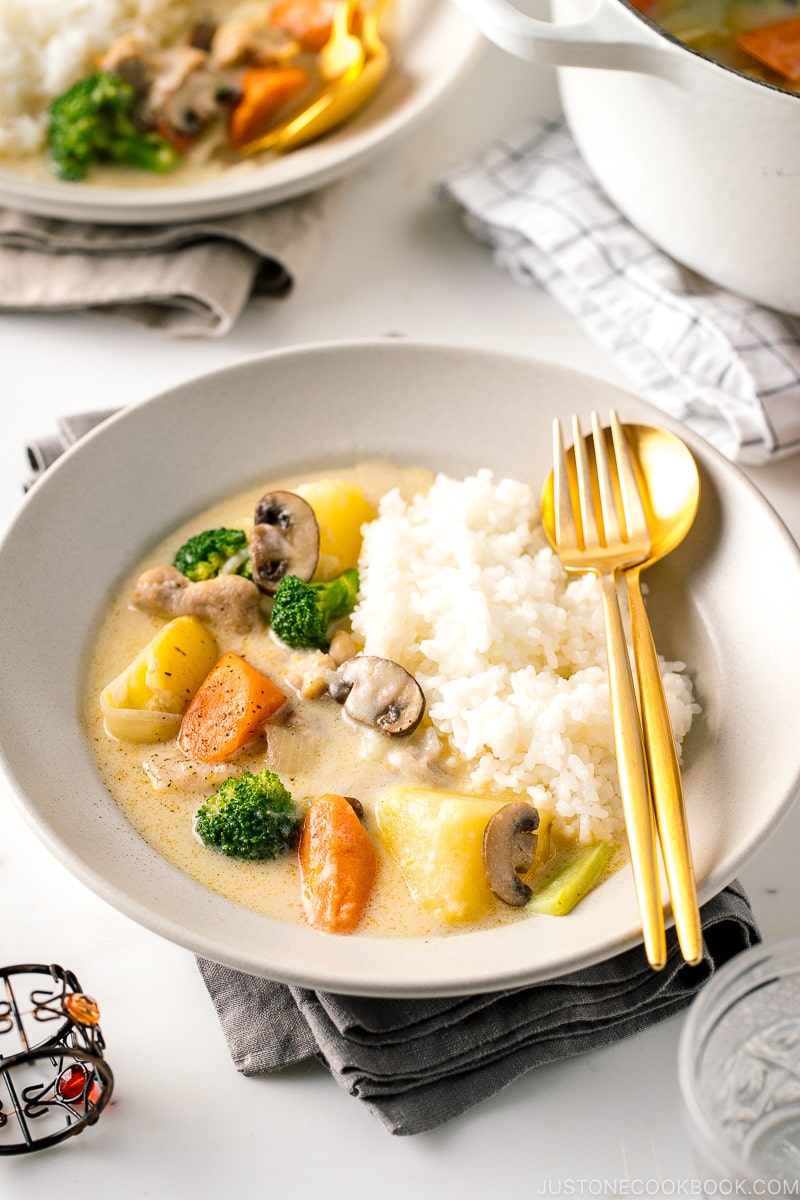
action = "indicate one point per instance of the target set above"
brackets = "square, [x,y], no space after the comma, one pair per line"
[726,366]
[187,279]
[418,1063]
[43,451]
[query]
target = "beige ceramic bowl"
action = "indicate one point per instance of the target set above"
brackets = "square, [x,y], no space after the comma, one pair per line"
[433,45]
[726,602]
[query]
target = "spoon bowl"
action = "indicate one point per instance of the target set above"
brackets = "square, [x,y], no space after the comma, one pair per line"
[669,483]
[339,100]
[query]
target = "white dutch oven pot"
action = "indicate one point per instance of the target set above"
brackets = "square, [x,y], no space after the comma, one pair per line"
[703,160]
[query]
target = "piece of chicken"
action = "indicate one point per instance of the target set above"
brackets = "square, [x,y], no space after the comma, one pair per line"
[228,600]
[250,41]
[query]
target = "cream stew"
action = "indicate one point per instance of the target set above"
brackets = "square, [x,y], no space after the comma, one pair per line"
[311,745]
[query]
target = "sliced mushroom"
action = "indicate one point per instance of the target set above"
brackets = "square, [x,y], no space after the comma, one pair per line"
[174,67]
[509,845]
[200,99]
[285,540]
[378,692]
[185,95]
[228,600]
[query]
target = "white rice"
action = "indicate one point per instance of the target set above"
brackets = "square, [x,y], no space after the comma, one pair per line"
[462,588]
[46,45]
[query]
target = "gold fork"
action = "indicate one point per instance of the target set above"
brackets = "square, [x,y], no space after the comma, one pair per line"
[589,536]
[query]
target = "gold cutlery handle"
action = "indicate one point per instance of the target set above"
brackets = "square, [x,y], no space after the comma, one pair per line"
[665,779]
[633,782]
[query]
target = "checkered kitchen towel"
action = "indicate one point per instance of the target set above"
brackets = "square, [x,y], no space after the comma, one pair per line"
[726,366]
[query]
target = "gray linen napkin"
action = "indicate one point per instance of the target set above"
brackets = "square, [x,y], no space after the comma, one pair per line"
[179,280]
[418,1063]
[726,366]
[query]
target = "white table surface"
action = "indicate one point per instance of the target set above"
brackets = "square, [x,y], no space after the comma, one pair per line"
[183,1122]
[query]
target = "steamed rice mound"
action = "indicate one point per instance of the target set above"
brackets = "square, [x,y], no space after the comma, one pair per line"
[462,588]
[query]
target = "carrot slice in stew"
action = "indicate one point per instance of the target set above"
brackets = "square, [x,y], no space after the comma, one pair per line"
[338,865]
[777,46]
[265,90]
[228,710]
[308,21]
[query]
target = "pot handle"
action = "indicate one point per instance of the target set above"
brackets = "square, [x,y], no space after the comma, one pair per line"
[606,38]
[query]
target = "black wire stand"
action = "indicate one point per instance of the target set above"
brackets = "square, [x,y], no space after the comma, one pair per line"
[54,1080]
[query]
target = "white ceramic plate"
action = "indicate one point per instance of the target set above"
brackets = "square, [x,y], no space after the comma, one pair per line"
[726,602]
[433,45]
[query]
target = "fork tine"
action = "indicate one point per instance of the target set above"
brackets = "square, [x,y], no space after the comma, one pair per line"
[635,518]
[584,482]
[608,505]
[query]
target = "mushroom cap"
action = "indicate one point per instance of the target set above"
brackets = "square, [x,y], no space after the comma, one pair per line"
[380,693]
[285,540]
[199,100]
[509,845]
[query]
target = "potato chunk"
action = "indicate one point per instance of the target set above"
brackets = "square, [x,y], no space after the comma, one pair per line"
[341,508]
[146,701]
[436,839]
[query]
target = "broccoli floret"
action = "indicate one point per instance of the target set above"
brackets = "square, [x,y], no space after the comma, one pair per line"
[93,120]
[251,816]
[302,612]
[205,554]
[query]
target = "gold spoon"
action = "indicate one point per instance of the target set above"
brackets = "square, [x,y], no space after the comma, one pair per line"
[338,100]
[343,51]
[670,488]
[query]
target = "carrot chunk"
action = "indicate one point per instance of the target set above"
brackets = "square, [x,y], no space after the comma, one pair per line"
[230,707]
[308,21]
[265,90]
[777,46]
[338,865]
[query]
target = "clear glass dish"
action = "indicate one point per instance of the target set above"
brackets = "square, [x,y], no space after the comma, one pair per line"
[739,1070]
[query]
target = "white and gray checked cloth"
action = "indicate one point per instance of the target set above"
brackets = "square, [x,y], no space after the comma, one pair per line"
[727,367]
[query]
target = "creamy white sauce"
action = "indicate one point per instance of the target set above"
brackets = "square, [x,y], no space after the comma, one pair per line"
[318,749]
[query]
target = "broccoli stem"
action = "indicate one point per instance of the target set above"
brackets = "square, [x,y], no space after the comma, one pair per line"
[572,880]
[156,154]
[337,598]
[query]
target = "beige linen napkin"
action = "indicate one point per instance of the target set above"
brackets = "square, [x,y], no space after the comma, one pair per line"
[179,280]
